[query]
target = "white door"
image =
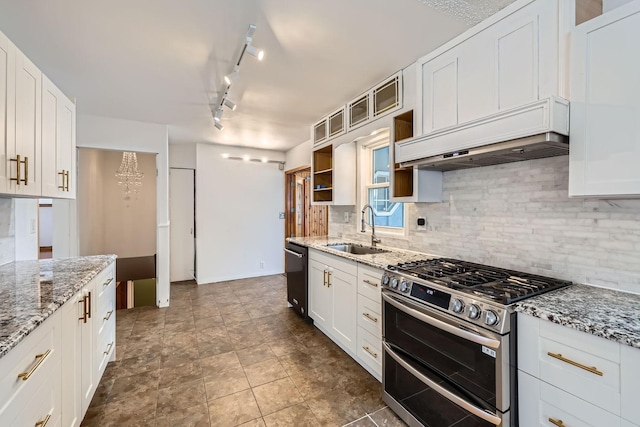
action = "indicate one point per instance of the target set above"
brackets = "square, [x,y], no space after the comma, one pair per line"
[182,220]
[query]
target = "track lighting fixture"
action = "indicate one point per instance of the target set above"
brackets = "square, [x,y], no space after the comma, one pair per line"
[230,104]
[231,77]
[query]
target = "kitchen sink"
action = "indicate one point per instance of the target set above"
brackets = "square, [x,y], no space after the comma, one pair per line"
[356,249]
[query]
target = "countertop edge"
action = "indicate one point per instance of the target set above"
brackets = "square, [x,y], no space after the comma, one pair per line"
[13,340]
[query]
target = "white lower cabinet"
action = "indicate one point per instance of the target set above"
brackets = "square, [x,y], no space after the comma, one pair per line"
[571,378]
[344,303]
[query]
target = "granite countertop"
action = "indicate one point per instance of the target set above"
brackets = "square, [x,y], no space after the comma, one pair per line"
[30,291]
[605,313]
[381,260]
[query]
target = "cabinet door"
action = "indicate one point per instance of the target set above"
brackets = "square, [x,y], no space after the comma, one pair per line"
[52,174]
[319,295]
[89,372]
[605,105]
[7,109]
[28,125]
[440,92]
[344,306]
[66,147]
[71,363]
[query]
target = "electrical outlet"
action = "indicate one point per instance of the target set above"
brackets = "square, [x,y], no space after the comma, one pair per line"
[281,216]
[261,264]
[346,217]
[421,224]
[32,226]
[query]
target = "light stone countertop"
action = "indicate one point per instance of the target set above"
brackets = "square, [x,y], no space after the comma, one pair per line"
[31,291]
[381,260]
[605,313]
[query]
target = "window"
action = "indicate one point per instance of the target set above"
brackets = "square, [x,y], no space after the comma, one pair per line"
[388,214]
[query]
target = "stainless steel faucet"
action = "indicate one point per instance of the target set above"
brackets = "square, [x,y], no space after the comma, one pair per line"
[374,239]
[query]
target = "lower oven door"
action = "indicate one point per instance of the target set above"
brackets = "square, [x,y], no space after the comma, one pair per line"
[440,371]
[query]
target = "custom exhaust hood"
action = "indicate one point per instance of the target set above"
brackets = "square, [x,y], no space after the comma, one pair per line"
[534,131]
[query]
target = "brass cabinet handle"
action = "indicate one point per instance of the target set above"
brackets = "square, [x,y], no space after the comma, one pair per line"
[108,316]
[63,175]
[17,160]
[371,352]
[43,422]
[329,279]
[67,175]
[560,357]
[89,305]
[83,301]
[26,171]
[108,281]
[39,359]
[324,283]
[558,423]
[108,350]
[370,317]
[369,282]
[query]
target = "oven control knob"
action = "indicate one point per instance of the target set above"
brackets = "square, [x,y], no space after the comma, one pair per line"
[385,279]
[491,318]
[394,282]
[474,311]
[404,286]
[457,306]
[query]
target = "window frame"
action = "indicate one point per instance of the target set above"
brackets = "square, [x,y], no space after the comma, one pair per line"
[367,146]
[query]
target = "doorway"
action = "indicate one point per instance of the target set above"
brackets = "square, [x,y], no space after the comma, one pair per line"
[45,228]
[182,208]
[302,219]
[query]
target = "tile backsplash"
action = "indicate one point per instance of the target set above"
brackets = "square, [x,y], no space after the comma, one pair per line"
[519,216]
[7,231]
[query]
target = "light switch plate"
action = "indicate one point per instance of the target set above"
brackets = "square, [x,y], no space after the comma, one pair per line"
[346,217]
[281,215]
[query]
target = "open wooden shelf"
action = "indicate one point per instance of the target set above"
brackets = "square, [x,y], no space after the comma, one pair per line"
[402,177]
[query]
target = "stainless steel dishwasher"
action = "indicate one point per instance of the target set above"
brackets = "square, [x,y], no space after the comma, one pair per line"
[296,258]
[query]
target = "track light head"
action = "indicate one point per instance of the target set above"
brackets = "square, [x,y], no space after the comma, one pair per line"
[218,115]
[251,30]
[255,52]
[233,76]
[230,104]
[220,127]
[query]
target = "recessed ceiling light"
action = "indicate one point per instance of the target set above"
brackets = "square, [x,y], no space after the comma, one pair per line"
[225,155]
[246,158]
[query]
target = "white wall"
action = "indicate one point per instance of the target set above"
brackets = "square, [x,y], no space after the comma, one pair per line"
[300,155]
[7,231]
[182,156]
[45,225]
[237,212]
[26,229]
[127,135]
[90,200]
[608,5]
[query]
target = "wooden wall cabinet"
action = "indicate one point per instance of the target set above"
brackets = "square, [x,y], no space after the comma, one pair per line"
[411,184]
[605,105]
[333,176]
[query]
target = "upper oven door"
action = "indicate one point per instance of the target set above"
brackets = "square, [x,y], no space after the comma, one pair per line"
[473,362]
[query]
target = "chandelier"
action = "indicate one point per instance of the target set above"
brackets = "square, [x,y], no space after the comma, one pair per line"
[129,177]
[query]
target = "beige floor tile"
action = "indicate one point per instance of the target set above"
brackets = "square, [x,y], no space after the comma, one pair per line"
[173,399]
[276,395]
[264,372]
[298,415]
[258,422]
[335,408]
[233,410]
[194,416]
[126,387]
[179,374]
[219,383]
[259,353]
[385,417]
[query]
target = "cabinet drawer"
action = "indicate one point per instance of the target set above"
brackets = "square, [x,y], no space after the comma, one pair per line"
[105,348]
[106,312]
[37,355]
[105,283]
[369,316]
[541,402]
[630,383]
[44,405]
[335,262]
[370,350]
[369,281]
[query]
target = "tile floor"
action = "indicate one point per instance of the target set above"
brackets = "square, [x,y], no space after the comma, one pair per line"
[231,354]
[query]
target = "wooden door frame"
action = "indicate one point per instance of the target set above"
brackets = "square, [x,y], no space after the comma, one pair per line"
[290,177]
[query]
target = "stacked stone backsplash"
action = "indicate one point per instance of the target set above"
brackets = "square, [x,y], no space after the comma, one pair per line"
[7,232]
[519,216]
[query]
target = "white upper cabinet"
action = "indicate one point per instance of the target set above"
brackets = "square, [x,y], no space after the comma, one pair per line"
[58,142]
[505,62]
[7,107]
[605,105]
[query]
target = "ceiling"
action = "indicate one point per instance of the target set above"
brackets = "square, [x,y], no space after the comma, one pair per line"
[163,61]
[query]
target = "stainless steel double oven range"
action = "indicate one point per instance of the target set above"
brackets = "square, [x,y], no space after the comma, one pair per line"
[449,341]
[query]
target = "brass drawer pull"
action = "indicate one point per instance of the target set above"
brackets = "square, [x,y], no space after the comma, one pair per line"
[324,283]
[89,305]
[83,301]
[329,279]
[108,350]
[26,171]
[43,422]
[370,317]
[63,173]
[560,357]
[108,282]
[39,359]
[108,316]
[67,176]
[368,350]
[17,160]
[558,423]
[369,282]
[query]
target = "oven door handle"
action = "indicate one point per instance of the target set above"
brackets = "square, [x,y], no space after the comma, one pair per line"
[478,339]
[289,251]
[441,390]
